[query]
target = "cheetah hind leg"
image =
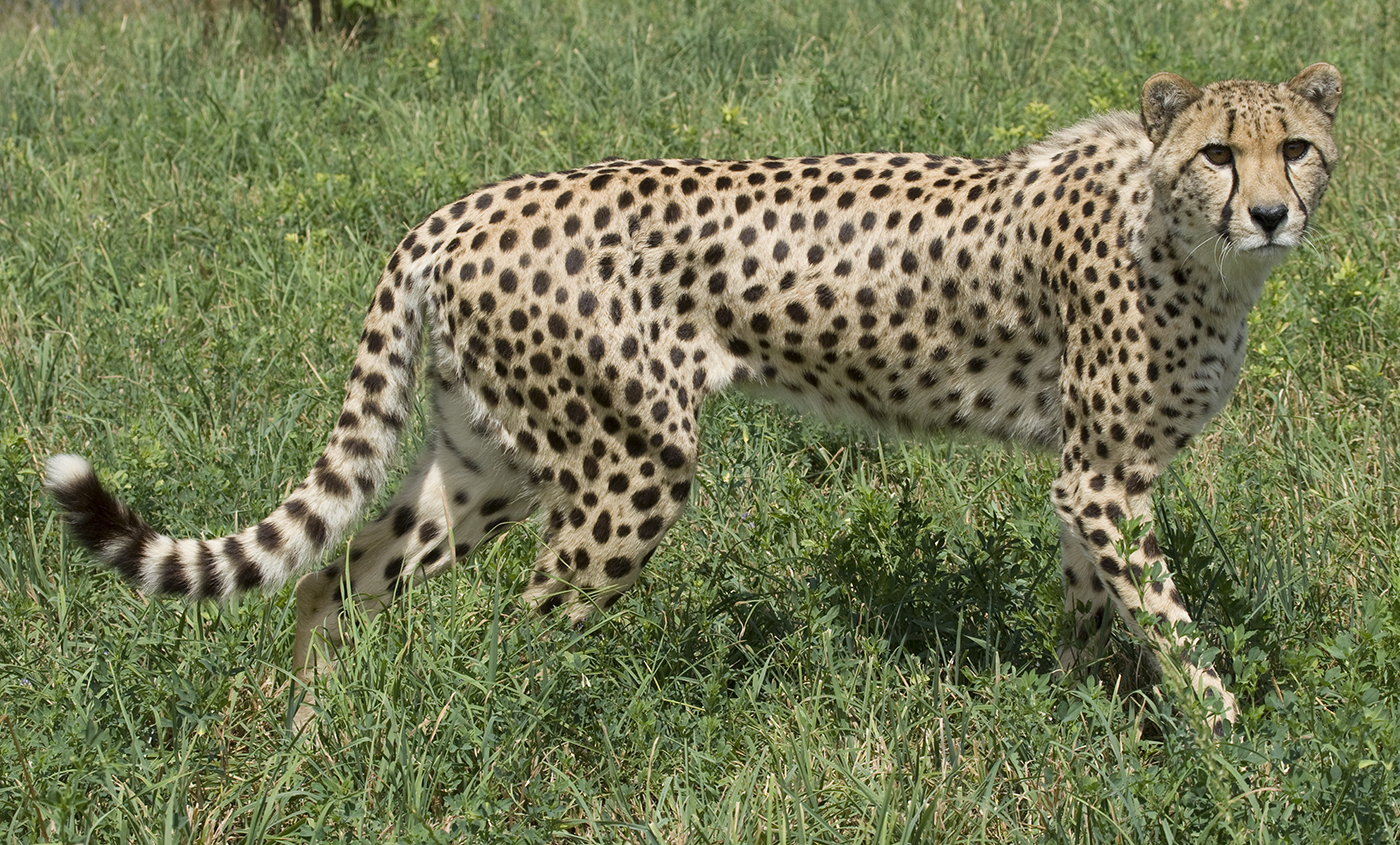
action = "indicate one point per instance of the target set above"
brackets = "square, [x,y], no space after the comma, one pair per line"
[463,491]
[597,541]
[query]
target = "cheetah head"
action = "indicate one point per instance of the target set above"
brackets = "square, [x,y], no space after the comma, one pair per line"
[1239,167]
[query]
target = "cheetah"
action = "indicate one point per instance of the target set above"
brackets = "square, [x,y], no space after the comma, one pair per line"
[1086,294]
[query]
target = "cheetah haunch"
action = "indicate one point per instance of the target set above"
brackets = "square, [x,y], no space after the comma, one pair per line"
[1088,293]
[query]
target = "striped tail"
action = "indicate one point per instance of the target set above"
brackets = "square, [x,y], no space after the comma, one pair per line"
[317,514]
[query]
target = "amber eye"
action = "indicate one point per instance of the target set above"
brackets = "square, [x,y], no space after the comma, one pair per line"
[1218,154]
[1295,149]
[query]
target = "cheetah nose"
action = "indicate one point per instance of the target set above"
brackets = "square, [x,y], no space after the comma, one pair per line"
[1269,216]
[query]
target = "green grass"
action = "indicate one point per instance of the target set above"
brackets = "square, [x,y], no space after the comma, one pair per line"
[845,640]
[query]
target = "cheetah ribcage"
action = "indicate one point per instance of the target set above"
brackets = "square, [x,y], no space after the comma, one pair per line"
[1086,294]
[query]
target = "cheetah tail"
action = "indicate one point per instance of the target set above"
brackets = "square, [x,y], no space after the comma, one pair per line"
[314,517]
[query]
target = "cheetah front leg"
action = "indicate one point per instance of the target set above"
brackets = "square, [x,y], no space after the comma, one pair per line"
[1085,605]
[1095,505]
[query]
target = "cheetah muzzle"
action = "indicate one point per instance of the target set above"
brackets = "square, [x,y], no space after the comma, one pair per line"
[1088,293]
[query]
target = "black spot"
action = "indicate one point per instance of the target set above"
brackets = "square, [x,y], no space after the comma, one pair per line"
[394,568]
[672,457]
[491,506]
[331,482]
[573,261]
[602,527]
[247,575]
[433,556]
[268,536]
[650,528]
[404,518]
[315,526]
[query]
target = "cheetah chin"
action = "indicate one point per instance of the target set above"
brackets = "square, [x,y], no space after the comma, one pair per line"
[1087,294]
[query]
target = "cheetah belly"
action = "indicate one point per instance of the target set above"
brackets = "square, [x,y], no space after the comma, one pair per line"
[894,356]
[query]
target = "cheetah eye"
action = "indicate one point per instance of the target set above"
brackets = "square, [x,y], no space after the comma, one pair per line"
[1218,154]
[1295,148]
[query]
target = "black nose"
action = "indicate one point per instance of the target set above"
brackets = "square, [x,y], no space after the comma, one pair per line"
[1269,216]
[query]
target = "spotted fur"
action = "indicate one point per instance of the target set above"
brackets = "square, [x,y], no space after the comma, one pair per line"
[1086,294]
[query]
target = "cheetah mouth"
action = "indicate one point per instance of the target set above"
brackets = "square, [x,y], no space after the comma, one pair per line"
[1259,257]
[1258,245]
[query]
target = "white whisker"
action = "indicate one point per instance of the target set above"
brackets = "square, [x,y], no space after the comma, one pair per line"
[1220,260]
[1203,243]
[1306,241]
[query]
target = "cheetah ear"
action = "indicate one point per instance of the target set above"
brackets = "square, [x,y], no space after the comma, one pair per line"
[1164,96]
[1319,84]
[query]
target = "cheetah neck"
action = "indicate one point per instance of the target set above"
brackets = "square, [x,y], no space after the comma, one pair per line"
[1222,283]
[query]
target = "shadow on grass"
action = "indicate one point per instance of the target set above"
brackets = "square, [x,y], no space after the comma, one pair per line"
[891,574]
